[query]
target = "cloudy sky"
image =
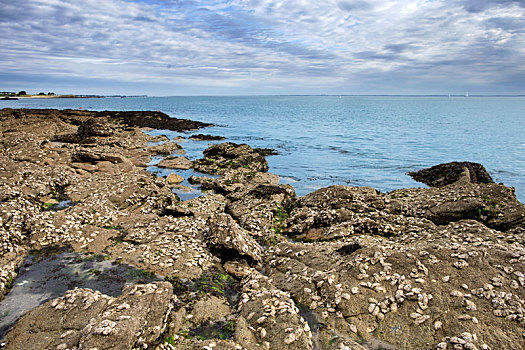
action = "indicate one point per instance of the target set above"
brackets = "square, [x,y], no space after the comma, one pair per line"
[229,47]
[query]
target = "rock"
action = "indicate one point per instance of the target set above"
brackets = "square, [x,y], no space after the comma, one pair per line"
[236,183]
[97,155]
[184,189]
[273,315]
[243,334]
[177,210]
[339,211]
[237,269]
[379,268]
[176,163]
[87,319]
[448,173]
[174,179]
[210,309]
[94,127]
[266,151]
[219,158]
[357,199]
[165,148]
[155,120]
[399,274]
[202,137]
[261,210]
[227,239]
[492,204]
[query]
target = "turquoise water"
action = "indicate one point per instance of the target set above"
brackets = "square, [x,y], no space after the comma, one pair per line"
[353,140]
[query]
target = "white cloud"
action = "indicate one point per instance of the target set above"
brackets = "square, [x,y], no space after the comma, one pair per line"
[329,46]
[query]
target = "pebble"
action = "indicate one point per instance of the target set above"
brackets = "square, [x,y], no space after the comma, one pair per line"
[290,338]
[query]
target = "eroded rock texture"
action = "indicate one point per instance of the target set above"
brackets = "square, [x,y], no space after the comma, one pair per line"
[249,265]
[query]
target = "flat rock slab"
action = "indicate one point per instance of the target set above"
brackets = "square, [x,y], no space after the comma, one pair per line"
[46,277]
[164,148]
[87,319]
[176,163]
[174,179]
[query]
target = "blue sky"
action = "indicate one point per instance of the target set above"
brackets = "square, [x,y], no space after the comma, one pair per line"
[238,47]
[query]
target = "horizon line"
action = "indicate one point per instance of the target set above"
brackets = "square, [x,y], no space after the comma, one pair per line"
[335,95]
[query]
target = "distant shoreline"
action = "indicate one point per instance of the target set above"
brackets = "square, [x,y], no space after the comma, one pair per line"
[25,97]
[52,96]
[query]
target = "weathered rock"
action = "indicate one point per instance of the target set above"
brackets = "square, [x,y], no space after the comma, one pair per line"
[236,183]
[210,309]
[492,204]
[338,208]
[175,163]
[394,289]
[155,120]
[263,209]
[94,127]
[219,158]
[272,316]
[86,319]
[96,155]
[165,148]
[382,269]
[202,137]
[174,179]
[357,199]
[446,174]
[206,206]
[228,239]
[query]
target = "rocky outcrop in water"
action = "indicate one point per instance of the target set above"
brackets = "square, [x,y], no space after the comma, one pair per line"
[202,137]
[449,173]
[250,265]
[226,156]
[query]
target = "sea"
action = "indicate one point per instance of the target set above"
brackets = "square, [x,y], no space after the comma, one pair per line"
[348,140]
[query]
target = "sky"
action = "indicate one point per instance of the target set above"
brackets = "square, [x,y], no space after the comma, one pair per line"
[252,47]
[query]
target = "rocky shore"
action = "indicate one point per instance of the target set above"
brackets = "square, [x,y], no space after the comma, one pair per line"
[249,265]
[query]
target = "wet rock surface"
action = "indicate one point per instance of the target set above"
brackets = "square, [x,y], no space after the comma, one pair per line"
[203,137]
[49,274]
[249,265]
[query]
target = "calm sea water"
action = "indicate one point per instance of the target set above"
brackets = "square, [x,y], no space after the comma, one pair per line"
[352,140]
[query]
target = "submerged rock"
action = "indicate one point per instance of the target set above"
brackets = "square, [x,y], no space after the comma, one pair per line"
[202,137]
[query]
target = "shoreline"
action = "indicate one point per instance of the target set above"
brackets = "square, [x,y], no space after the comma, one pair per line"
[295,270]
[25,97]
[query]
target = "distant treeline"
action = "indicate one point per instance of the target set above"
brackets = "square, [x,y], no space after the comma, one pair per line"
[24,93]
